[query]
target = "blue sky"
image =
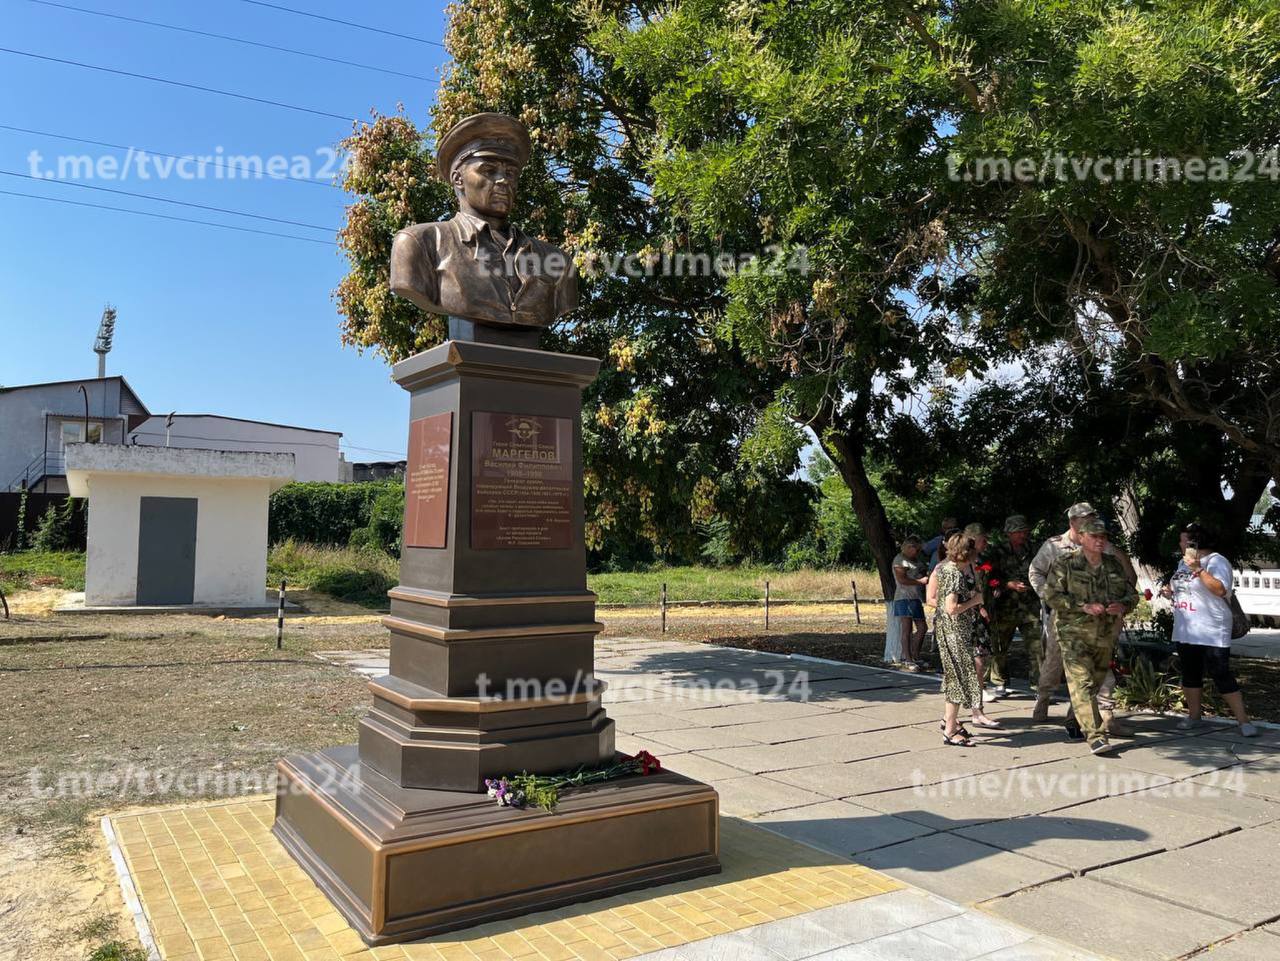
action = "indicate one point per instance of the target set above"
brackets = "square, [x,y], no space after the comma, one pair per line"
[210,320]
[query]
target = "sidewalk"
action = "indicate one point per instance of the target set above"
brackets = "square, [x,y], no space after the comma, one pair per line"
[1165,849]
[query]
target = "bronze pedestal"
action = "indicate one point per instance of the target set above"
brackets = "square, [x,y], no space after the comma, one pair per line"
[492,673]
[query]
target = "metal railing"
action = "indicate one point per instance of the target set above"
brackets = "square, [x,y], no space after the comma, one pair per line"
[48,463]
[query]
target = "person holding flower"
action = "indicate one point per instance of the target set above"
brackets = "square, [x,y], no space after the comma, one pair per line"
[1017,609]
[960,606]
[1201,593]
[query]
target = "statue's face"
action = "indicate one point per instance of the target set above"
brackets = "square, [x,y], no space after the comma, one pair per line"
[487,186]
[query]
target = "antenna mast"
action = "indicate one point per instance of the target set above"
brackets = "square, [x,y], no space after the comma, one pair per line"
[102,343]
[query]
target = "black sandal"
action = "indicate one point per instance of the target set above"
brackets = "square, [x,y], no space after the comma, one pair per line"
[960,729]
[950,739]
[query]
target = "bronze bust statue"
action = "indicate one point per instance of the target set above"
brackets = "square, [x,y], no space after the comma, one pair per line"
[493,281]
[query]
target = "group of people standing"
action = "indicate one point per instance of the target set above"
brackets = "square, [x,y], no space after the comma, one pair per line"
[1068,601]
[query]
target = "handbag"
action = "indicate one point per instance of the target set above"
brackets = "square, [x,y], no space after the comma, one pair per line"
[1239,619]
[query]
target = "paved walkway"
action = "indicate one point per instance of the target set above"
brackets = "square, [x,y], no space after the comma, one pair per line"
[1160,852]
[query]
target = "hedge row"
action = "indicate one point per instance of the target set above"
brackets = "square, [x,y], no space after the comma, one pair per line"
[321,513]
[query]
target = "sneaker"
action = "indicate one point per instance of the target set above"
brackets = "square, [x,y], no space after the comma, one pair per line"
[1188,723]
[1074,733]
[1248,730]
[1001,691]
[992,694]
[1100,745]
[911,666]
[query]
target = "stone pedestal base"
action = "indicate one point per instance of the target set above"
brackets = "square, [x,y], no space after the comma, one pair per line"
[404,863]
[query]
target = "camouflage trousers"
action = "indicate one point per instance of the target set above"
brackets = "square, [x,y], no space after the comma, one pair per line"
[1087,649]
[1051,668]
[1003,626]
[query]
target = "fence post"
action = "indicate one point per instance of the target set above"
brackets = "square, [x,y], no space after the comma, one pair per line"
[280,619]
[664,607]
[857,606]
[766,605]
[6,605]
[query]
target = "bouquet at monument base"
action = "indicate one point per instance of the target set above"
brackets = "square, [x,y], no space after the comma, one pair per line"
[543,790]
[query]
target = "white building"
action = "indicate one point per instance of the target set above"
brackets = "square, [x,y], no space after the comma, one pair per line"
[175,527]
[315,452]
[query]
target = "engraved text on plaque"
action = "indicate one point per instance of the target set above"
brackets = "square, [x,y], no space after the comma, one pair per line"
[426,481]
[521,481]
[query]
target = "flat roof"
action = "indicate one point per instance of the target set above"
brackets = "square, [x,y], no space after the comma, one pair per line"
[264,423]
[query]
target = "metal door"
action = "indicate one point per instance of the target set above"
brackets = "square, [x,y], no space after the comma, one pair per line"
[166,551]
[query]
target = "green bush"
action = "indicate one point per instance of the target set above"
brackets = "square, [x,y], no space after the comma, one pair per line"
[321,513]
[61,528]
[360,576]
[385,530]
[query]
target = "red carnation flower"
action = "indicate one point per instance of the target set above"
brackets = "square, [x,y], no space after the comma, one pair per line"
[1147,594]
[985,568]
[994,582]
[648,763]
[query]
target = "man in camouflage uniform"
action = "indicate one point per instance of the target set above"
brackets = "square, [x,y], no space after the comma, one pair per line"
[1017,608]
[1089,592]
[1051,673]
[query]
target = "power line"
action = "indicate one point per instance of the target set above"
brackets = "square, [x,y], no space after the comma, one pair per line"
[178,83]
[223,36]
[148,213]
[165,200]
[212,161]
[345,23]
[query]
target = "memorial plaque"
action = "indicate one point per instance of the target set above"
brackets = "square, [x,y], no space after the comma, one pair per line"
[521,481]
[426,481]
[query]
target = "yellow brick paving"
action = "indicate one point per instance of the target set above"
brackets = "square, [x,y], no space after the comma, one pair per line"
[216,886]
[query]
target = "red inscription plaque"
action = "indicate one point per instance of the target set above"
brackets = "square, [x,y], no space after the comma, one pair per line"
[426,481]
[521,481]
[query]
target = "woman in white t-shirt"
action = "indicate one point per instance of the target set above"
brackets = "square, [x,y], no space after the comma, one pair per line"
[1201,593]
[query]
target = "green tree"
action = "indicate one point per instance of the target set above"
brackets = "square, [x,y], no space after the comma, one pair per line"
[663,422]
[847,128]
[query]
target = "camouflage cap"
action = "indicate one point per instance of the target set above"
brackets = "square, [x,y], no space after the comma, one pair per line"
[975,530]
[1016,522]
[1082,509]
[1094,525]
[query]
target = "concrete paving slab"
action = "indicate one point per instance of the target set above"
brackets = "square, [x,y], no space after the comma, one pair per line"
[643,723]
[1177,758]
[886,914]
[1077,844]
[738,946]
[889,773]
[1232,876]
[961,869]
[703,738]
[1038,949]
[807,753]
[1112,921]
[701,767]
[840,827]
[630,744]
[967,802]
[1218,794]
[750,795]
[757,711]
[909,945]
[799,728]
[971,935]
[1250,946]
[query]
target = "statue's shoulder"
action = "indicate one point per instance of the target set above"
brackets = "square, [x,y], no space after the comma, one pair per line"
[427,236]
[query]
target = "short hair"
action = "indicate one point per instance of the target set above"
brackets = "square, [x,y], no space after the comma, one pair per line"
[960,547]
[913,539]
[1206,537]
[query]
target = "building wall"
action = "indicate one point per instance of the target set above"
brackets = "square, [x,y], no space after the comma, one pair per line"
[315,452]
[22,419]
[231,536]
